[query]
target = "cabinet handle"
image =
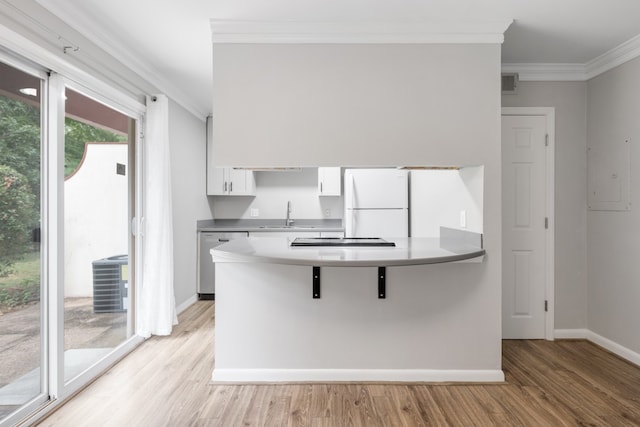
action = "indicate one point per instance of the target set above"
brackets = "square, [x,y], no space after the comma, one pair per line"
[225,186]
[321,188]
[231,187]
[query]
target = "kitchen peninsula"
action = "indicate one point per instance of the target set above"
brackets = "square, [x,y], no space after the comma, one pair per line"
[404,313]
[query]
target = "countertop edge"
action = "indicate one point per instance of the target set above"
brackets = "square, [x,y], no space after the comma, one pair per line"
[224,256]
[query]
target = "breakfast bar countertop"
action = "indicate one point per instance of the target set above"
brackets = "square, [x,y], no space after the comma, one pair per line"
[407,251]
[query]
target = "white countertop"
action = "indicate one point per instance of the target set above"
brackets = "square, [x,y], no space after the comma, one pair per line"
[408,251]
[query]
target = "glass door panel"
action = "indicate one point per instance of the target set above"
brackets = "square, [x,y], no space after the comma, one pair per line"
[97,292]
[21,307]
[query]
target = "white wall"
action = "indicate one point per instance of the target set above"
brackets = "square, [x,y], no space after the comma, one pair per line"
[356,105]
[273,191]
[614,270]
[96,217]
[439,196]
[372,105]
[187,136]
[570,102]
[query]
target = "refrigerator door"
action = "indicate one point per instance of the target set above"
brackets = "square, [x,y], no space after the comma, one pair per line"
[376,189]
[385,223]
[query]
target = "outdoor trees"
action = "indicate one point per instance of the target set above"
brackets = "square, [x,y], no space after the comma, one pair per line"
[18,213]
[19,179]
[20,154]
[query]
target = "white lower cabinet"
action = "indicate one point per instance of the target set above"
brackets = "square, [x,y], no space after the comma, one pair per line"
[230,182]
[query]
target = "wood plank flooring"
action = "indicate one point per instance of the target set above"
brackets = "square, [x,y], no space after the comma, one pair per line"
[165,382]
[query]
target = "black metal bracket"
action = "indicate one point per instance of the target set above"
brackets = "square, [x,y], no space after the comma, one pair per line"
[382,282]
[316,282]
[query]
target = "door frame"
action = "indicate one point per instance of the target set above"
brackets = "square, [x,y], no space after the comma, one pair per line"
[549,288]
[62,389]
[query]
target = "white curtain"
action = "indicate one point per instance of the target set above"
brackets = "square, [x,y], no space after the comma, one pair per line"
[157,313]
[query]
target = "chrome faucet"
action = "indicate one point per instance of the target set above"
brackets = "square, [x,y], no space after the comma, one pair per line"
[288,221]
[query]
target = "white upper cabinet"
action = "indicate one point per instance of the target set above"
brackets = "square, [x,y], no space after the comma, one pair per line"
[230,182]
[329,181]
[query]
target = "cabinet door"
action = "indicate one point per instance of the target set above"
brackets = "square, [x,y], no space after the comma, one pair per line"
[329,181]
[217,181]
[241,182]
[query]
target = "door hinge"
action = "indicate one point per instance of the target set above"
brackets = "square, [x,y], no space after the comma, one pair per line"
[546,223]
[546,306]
[546,140]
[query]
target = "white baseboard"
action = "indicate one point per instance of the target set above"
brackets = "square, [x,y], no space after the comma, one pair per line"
[603,342]
[188,303]
[355,375]
[614,347]
[570,334]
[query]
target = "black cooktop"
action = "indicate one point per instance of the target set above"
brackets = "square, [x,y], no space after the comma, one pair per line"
[341,241]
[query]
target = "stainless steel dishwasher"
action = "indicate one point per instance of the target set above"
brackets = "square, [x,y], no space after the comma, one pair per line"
[206,268]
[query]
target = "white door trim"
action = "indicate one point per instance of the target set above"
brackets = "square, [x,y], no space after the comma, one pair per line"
[550,114]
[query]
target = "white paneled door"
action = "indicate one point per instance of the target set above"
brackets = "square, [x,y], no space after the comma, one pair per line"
[524,224]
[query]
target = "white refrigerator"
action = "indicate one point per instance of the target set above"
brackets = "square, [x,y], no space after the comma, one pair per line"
[376,203]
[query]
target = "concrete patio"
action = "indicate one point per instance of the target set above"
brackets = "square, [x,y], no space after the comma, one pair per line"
[88,336]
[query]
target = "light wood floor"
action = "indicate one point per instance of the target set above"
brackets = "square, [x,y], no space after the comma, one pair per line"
[165,382]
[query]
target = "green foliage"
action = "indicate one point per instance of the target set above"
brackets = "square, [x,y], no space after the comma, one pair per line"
[76,135]
[16,296]
[20,171]
[18,216]
[20,140]
[23,284]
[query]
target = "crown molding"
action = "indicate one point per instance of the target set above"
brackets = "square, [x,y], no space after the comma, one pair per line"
[547,72]
[619,55]
[227,31]
[622,53]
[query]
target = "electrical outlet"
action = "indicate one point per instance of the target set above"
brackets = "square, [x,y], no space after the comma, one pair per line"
[255,212]
[327,213]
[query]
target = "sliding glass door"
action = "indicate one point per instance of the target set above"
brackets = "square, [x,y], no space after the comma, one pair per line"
[97,238]
[68,197]
[22,305]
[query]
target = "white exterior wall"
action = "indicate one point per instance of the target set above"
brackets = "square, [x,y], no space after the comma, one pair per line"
[96,215]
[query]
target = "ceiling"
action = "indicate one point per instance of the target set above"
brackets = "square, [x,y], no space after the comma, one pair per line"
[174,38]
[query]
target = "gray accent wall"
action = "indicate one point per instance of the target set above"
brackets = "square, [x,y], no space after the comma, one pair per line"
[570,102]
[187,139]
[614,236]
